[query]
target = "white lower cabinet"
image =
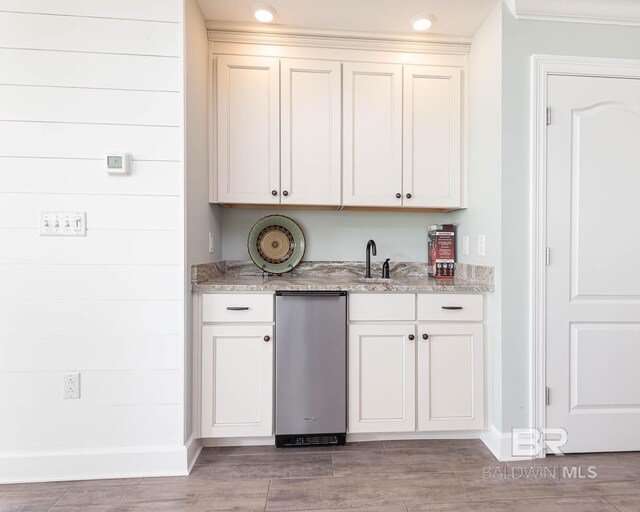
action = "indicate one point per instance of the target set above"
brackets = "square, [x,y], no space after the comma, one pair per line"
[237,380]
[412,365]
[382,377]
[410,374]
[450,371]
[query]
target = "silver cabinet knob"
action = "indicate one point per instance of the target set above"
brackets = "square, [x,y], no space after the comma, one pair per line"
[267,338]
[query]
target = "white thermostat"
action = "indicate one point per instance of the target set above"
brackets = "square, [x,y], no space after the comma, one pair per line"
[119,163]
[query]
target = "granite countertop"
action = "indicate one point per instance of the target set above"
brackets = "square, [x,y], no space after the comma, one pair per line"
[240,276]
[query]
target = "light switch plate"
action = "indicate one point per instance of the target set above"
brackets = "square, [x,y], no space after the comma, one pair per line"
[63,223]
[465,245]
[481,245]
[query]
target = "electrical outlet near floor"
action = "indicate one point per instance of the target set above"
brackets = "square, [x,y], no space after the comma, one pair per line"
[70,385]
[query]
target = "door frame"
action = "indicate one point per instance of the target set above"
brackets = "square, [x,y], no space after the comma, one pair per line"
[543,66]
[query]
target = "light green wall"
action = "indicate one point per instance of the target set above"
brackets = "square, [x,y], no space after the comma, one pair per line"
[339,235]
[483,213]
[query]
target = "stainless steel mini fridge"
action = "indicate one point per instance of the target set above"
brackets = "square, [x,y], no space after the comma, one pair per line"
[311,368]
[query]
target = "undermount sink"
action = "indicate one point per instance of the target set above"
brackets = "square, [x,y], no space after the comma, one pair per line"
[374,280]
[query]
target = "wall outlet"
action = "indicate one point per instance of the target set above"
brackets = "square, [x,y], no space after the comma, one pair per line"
[465,245]
[63,223]
[70,385]
[481,245]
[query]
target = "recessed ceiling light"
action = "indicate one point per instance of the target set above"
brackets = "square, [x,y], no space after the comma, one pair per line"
[422,22]
[264,13]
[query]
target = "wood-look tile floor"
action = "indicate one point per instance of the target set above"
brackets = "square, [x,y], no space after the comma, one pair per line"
[391,476]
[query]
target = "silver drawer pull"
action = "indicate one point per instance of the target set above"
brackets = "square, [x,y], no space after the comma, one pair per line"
[452,308]
[237,308]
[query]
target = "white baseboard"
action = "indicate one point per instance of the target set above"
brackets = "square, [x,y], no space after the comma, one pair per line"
[66,465]
[194,447]
[492,439]
[210,442]
[500,444]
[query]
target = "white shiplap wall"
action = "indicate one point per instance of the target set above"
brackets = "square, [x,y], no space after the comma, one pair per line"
[79,79]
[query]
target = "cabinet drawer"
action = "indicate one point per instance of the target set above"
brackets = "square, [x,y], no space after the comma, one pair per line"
[382,306]
[237,307]
[450,307]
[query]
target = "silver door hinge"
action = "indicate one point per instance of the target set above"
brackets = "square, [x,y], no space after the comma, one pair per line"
[547,395]
[548,256]
[548,116]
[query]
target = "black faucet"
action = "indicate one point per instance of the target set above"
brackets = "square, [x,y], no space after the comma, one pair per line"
[371,247]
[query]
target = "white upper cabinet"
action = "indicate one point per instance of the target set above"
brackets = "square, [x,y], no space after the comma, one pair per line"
[310,130]
[432,137]
[372,142]
[296,131]
[248,129]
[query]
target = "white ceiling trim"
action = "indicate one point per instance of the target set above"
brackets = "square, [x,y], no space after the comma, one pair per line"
[609,12]
[233,33]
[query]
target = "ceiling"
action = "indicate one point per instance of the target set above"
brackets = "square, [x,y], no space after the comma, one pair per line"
[453,17]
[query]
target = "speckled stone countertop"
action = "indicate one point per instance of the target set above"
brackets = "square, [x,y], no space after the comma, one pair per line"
[244,276]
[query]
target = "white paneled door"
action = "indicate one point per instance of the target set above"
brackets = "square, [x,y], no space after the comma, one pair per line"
[237,380]
[432,125]
[381,378]
[248,129]
[450,377]
[310,124]
[372,142]
[593,280]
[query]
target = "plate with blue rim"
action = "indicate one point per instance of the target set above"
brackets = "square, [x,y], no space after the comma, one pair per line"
[276,244]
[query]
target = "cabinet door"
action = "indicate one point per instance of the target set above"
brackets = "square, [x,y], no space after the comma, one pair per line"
[372,142]
[450,377]
[381,378]
[248,129]
[310,105]
[237,380]
[432,137]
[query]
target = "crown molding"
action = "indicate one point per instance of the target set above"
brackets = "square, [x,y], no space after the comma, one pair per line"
[222,32]
[611,12]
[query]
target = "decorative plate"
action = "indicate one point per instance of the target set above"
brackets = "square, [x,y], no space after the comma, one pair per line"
[276,244]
